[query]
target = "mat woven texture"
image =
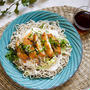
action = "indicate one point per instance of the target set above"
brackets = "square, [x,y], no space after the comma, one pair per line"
[81,78]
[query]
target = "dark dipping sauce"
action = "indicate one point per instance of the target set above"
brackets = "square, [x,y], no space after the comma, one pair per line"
[82,20]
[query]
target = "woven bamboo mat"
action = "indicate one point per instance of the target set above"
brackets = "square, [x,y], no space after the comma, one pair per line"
[81,78]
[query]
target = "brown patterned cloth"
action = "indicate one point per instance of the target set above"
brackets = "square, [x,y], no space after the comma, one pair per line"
[80,80]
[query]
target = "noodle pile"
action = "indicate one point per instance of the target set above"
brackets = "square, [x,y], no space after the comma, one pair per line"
[56,63]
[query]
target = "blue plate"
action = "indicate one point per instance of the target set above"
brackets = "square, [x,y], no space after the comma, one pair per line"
[74,60]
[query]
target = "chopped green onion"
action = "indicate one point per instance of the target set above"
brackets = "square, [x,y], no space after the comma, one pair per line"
[44,48]
[25,48]
[30,51]
[47,59]
[43,41]
[63,43]
[62,30]
[11,55]
[30,35]
[42,26]
[37,52]
[53,42]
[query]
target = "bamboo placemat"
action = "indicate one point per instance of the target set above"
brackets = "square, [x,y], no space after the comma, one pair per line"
[81,78]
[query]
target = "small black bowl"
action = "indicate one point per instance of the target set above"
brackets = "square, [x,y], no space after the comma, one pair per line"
[82,20]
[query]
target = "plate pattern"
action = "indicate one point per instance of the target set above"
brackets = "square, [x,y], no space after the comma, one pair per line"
[74,60]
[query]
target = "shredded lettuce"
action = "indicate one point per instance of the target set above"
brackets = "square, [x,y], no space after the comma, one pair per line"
[52,61]
[48,63]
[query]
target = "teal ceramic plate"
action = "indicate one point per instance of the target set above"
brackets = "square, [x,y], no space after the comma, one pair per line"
[74,60]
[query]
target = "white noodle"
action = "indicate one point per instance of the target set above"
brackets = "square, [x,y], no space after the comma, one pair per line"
[29,68]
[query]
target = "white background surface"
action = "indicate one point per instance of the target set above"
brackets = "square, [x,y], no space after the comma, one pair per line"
[43,4]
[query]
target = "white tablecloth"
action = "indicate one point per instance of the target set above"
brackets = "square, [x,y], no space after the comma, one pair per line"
[42,4]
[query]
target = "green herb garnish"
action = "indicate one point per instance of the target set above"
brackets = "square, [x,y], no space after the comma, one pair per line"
[43,49]
[42,41]
[63,43]
[62,31]
[12,55]
[25,48]
[30,35]
[55,43]
[30,51]
[37,52]
[47,59]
